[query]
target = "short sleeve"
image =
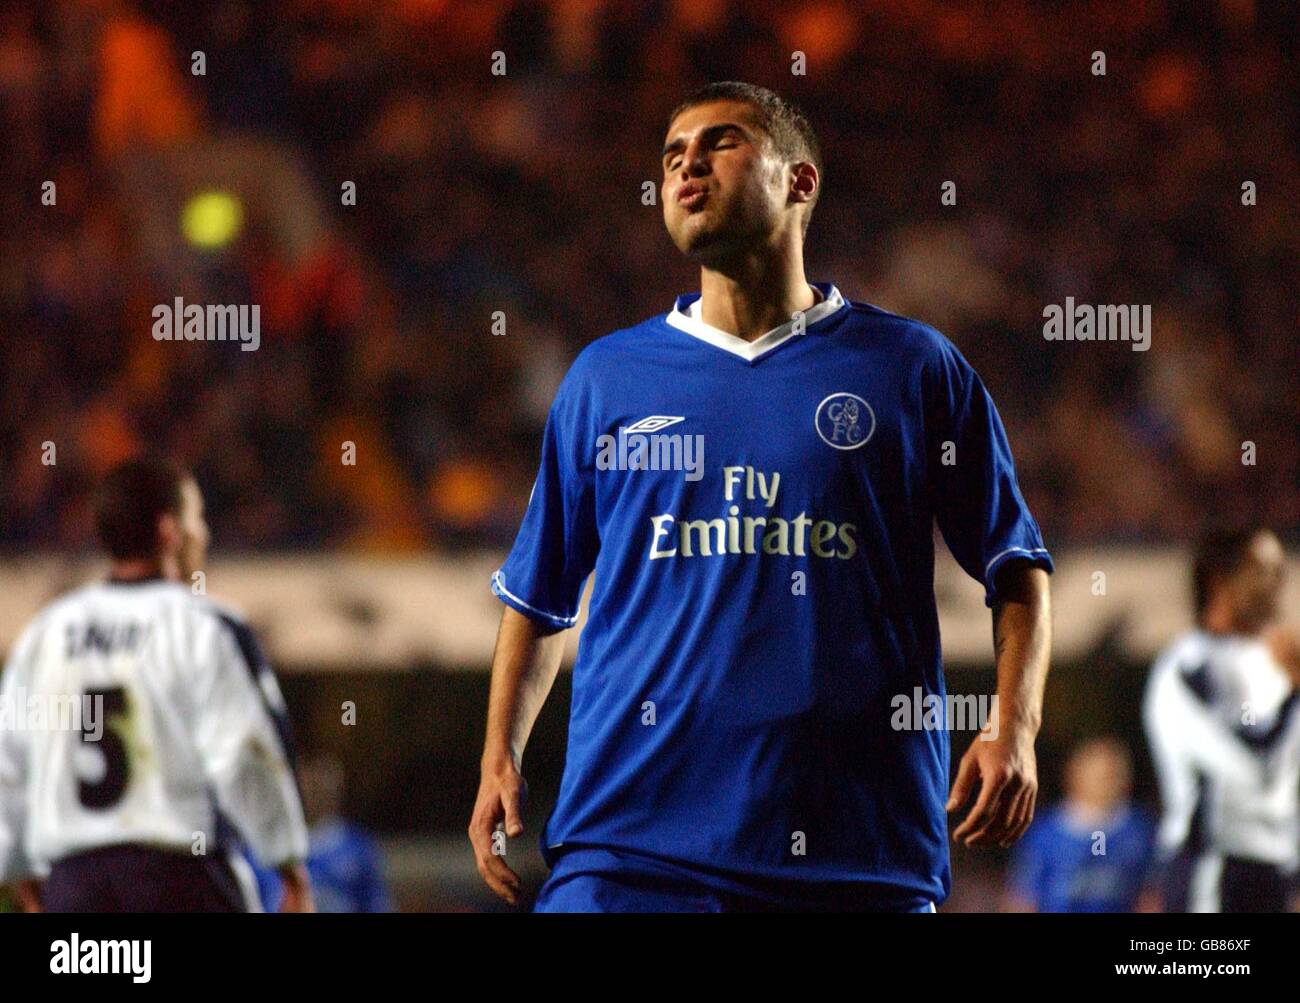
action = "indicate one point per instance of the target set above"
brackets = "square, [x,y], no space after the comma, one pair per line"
[555,549]
[14,680]
[977,501]
[241,736]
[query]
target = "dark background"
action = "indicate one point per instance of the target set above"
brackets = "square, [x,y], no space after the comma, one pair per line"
[521,193]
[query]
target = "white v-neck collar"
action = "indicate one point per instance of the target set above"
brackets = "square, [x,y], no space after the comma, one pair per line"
[685,316]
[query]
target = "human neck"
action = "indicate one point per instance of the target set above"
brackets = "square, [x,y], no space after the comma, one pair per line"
[1219,618]
[136,570]
[751,299]
[1087,812]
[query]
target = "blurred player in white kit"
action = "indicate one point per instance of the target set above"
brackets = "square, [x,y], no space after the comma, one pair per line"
[1222,715]
[176,743]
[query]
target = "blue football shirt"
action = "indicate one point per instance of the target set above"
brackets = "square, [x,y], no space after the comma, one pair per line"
[1064,866]
[759,517]
[345,868]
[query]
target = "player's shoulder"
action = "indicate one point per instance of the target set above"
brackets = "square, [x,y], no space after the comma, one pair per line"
[224,617]
[1189,660]
[1190,646]
[906,330]
[1141,819]
[902,338]
[98,598]
[598,360]
[223,629]
[175,597]
[49,617]
[619,343]
[220,611]
[1051,822]
[193,613]
[71,605]
[61,607]
[1132,823]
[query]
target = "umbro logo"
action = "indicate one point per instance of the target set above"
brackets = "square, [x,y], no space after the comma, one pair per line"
[643,446]
[652,424]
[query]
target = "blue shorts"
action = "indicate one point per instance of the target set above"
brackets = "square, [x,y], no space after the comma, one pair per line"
[592,880]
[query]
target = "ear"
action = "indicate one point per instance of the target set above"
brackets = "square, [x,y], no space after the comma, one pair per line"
[169,533]
[805,183]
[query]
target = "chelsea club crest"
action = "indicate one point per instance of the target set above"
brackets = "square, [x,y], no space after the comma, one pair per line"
[844,421]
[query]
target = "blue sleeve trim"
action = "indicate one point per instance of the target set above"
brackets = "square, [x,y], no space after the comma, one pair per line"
[532,612]
[1035,555]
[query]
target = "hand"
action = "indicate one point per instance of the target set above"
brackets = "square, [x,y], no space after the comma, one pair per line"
[501,796]
[28,894]
[297,889]
[1149,900]
[1008,776]
[1284,642]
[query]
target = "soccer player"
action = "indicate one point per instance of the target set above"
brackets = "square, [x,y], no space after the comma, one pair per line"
[1222,716]
[1091,852]
[754,477]
[178,730]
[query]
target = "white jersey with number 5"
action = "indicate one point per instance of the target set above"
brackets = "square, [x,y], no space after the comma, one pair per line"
[139,713]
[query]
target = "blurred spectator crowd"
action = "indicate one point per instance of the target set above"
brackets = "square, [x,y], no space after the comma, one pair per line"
[483,198]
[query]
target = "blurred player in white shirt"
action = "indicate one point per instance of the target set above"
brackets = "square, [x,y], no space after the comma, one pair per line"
[1222,715]
[141,730]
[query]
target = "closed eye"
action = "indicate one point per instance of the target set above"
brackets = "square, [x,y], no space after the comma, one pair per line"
[674,164]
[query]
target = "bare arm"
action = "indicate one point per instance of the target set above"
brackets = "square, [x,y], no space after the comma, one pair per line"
[1002,757]
[524,667]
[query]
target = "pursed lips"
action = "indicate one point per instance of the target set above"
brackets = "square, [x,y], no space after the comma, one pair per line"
[691,194]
